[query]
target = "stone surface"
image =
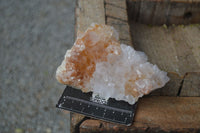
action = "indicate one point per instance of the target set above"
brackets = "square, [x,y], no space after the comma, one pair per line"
[98,63]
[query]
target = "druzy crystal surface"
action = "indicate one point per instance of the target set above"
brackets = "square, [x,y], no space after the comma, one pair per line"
[98,63]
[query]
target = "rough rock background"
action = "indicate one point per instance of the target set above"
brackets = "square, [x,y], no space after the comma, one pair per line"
[34,36]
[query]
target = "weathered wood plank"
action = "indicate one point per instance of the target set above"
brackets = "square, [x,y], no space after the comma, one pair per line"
[123,30]
[89,11]
[146,12]
[117,3]
[164,12]
[156,114]
[160,14]
[116,16]
[174,49]
[116,12]
[191,85]
[192,38]
[76,119]
[183,43]
[184,13]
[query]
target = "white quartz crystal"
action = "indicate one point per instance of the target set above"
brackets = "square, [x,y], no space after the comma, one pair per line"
[130,69]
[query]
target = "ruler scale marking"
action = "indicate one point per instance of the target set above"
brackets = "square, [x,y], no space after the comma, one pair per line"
[115,111]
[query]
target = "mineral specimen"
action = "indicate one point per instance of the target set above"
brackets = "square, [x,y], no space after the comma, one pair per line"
[98,63]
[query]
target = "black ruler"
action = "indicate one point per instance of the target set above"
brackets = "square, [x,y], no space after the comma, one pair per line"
[111,110]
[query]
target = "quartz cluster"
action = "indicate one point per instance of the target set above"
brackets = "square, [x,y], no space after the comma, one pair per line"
[98,63]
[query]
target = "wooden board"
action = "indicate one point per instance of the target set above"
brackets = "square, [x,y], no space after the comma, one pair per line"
[116,3]
[191,85]
[174,49]
[88,12]
[158,12]
[155,114]
[116,12]
[116,16]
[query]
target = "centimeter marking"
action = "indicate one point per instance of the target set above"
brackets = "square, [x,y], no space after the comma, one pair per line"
[96,110]
[72,99]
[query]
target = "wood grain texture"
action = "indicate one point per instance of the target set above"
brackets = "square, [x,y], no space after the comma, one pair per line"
[116,16]
[174,49]
[123,30]
[191,85]
[117,3]
[158,12]
[76,119]
[156,114]
[88,12]
[116,12]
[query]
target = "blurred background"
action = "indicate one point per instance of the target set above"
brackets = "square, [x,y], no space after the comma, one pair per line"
[34,36]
